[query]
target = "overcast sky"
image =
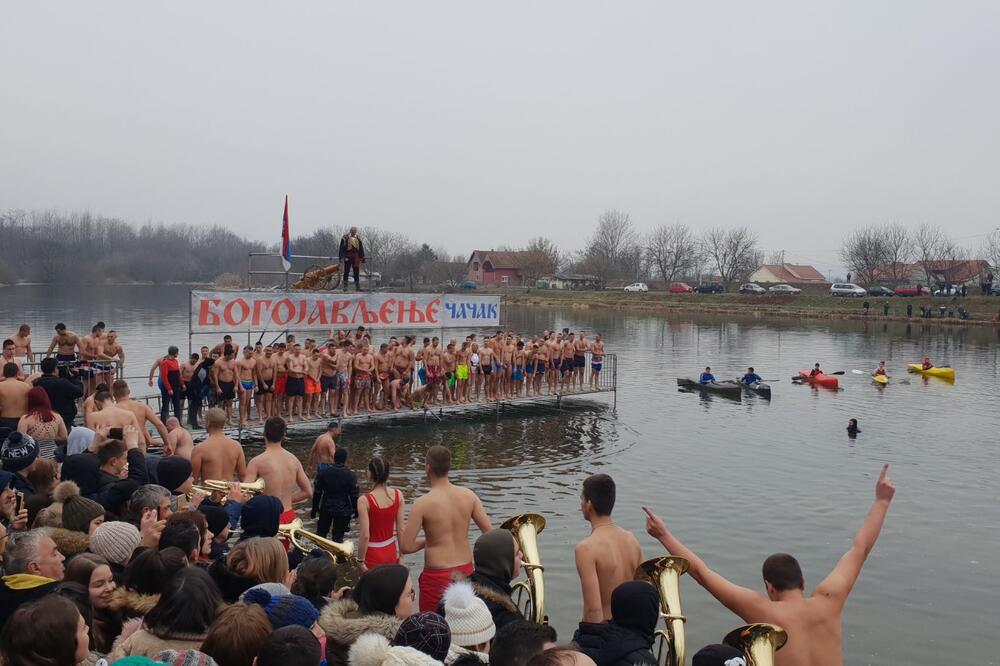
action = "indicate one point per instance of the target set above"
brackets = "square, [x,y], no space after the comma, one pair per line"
[473,125]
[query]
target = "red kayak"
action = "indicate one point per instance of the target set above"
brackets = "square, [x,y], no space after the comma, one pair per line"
[826,381]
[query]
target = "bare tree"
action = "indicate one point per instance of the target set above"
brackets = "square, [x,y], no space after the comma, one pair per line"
[862,254]
[606,248]
[672,251]
[928,243]
[732,252]
[897,253]
[553,256]
[990,250]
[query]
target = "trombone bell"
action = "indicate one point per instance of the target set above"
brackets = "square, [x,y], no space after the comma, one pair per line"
[526,527]
[337,551]
[758,642]
[665,573]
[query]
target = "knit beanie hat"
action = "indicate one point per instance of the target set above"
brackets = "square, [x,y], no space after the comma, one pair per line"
[468,618]
[427,632]
[18,451]
[216,517]
[285,610]
[173,471]
[185,658]
[493,555]
[636,604]
[115,541]
[134,661]
[718,655]
[77,512]
[260,517]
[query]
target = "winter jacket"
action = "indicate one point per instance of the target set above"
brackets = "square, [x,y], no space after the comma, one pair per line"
[375,650]
[344,624]
[456,652]
[231,584]
[610,644]
[62,395]
[342,252]
[143,643]
[131,604]
[336,491]
[69,542]
[17,589]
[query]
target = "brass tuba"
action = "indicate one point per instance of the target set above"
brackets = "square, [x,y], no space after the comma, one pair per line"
[339,552]
[759,642]
[526,528]
[665,574]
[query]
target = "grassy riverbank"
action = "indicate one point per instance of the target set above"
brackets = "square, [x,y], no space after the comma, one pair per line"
[813,305]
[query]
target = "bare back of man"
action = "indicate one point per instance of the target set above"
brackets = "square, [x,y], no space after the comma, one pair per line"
[283,476]
[178,441]
[218,457]
[322,451]
[13,400]
[111,416]
[143,413]
[613,554]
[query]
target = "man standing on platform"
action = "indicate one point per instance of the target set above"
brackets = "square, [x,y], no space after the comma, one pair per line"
[352,254]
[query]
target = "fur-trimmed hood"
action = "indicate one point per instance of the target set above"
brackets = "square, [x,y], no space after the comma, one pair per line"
[70,542]
[375,650]
[343,624]
[455,652]
[130,603]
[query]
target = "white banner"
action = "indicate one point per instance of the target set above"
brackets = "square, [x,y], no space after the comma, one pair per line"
[229,311]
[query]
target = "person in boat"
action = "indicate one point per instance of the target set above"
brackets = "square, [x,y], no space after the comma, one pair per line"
[751,378]
[927,365]
[706,377]
[815,371]
[852,427]
[880,371]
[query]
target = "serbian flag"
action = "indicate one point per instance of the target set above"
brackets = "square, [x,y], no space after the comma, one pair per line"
[286,241]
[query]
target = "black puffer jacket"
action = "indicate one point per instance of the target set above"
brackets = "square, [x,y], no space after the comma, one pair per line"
[336,491]
[497,599]
[610,644]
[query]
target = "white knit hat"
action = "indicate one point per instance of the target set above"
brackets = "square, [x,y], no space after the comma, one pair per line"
[115,541]
[468,618]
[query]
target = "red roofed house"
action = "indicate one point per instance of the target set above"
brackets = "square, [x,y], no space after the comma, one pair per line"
[492,267]
[788,274]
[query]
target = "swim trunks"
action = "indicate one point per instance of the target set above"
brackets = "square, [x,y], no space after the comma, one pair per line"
[280,382]
[295,387]
[529,369]
[567,367]
[462,371]
[228,390]
[65,360]
[343,381]
[433,375]
[517,375]
[312,386]
[487,370]
[433,583]
[596,367]
[265,386]
[362,380]
[540,368]
[247,384]
[580,361]
[328,383]
[422,374]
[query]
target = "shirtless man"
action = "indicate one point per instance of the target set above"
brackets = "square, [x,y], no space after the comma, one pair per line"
[143,413]
[383,362]
[449,366]
[321,453]
[314,384]
[266,365]
[462,371]
[401,377]
[364,368]
[108,414]
[813,622]
[580,348]
[443,514]
[507,366]
[178,441]
[246,369]
[295,385]
[96,367]
[568,365]
[65,342]
[13,396]
[224,381]
[596,360]
[9,356]
[555,361]
[343,364]
[282,472]
[609,556]
[218,457]
[227,341]
[22,343]
[88,402]
[519,363]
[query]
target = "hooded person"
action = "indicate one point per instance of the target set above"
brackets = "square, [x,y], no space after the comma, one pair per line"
[218,525]
[497,562]
[175,474]
[626,640]
[470,623]
[78,513]
[260,517]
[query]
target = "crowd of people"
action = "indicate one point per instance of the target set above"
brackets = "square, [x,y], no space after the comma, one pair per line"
[113,552]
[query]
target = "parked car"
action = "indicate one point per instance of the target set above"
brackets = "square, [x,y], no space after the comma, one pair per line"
[995,290]
[637,286]
[751,288]
[948,291]
[912,291]
[712,288]
[880,291]
[679,288]
[784,289]
[468,284]
[847,289]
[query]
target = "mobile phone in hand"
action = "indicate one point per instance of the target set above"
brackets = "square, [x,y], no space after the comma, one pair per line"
[116,433]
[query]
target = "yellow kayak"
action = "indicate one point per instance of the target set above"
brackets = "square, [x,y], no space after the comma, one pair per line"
[880,379]
[942,373]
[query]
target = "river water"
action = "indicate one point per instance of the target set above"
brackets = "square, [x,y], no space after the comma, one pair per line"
[735,480]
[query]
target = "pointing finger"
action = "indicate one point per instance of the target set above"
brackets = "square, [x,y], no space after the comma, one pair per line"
[885,472]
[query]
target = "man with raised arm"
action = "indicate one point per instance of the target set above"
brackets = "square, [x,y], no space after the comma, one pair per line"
[443,514]
[282,472]
[143,413]
[813,622]
[609,556]
[218,457]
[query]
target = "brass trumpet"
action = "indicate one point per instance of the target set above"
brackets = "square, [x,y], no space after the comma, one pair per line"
[665,573]
[339,552]
[526,528]
[218,490]
[758,642]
